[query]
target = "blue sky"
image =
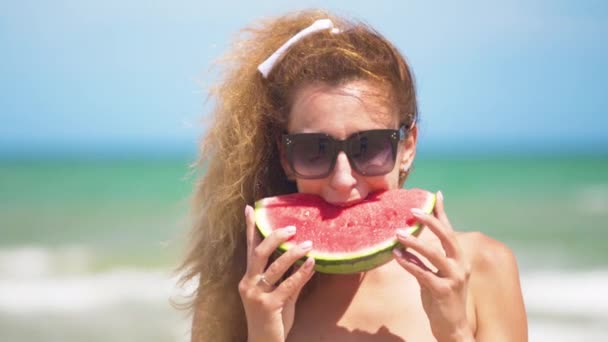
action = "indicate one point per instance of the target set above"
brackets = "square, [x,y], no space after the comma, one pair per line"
[131,75]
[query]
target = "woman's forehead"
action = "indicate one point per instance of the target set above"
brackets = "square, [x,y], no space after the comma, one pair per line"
[356,100]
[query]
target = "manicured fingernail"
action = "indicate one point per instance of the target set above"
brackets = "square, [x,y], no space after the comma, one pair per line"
[404,233]
[290,230]
[440,195]
[398,252]
[306,245]
[417,212]
[308,263]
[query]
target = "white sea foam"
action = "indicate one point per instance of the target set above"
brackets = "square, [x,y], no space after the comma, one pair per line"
[571,295]
[556,331]
[579,295]
[86,292]
[562,305]
[34,262]
[35,280]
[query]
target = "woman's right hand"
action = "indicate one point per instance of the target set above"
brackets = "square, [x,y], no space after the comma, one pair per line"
[270,306]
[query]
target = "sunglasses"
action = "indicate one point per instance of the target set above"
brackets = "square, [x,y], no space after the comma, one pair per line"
[370,153]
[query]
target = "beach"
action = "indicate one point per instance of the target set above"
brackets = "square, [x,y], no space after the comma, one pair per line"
[88,249]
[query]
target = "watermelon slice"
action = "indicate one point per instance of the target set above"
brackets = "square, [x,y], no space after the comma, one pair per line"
[345,239]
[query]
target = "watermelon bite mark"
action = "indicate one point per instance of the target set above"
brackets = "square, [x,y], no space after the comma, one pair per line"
[345,239]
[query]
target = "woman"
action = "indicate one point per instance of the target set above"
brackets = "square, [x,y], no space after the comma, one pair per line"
[310,75]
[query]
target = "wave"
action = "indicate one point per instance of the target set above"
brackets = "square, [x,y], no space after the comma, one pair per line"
[35,261]
[571,294]
[37,279]
[86,292]
[567,305]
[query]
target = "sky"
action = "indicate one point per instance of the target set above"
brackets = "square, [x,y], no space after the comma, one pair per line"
[130,76]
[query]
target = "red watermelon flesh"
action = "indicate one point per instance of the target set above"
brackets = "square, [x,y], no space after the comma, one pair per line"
[345,239]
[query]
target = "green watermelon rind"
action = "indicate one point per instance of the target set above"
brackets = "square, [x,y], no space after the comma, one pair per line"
[345,263]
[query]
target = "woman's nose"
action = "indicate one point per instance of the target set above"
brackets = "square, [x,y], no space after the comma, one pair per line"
[342,177]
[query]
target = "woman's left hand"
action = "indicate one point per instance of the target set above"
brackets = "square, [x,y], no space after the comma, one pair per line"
[443,292]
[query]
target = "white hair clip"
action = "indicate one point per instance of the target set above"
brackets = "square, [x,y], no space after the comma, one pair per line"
[322,24]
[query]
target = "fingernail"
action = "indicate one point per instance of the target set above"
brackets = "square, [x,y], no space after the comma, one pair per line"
[417,212]
[398,252]
[308,263]
[440,195]
[404,233]
[290,230]
[306,245]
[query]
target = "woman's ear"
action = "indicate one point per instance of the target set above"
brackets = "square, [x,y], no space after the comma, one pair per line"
[409,150]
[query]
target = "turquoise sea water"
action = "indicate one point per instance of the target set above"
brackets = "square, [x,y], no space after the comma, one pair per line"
[102,237]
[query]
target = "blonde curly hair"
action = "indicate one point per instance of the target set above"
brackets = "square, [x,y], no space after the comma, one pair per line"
[239,158]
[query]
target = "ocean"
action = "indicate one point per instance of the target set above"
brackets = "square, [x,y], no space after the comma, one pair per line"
[88,248]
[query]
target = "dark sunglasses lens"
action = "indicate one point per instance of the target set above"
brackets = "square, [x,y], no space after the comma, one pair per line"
[311,155]
[372,154]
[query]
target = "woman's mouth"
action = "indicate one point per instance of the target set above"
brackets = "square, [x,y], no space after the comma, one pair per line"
[347,203]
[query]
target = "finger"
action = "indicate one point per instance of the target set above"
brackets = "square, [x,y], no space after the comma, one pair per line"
[415,267]
[432,253]
[447,237]
[439,211]
[277,269]
[296,294]
[253,236]
[295,282]
[262,252]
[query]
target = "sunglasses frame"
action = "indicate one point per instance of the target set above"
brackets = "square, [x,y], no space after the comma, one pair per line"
[395,136]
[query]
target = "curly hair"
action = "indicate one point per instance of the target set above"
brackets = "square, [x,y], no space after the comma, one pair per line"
[239,158]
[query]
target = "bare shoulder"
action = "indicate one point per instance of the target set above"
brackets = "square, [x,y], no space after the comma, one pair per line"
[495,288]
[487,255]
